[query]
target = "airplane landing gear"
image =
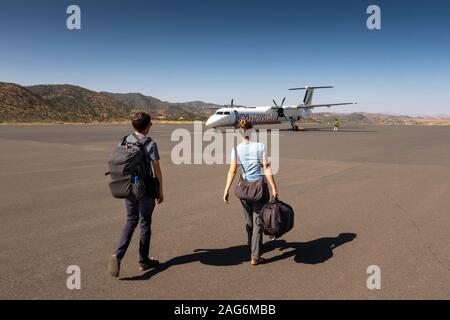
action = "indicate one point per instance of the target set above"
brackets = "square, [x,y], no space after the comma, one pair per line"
[293,124]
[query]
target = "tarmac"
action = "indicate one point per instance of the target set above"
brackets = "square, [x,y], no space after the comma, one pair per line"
[364,196]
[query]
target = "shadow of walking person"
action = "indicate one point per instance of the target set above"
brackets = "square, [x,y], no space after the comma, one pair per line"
[215,257]
[311,252]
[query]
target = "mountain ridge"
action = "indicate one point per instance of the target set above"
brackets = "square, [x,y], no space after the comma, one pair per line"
[71,103]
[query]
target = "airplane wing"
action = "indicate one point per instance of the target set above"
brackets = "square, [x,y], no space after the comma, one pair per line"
[328,105]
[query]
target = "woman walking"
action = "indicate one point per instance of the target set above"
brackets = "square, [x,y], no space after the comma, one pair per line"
[252,188]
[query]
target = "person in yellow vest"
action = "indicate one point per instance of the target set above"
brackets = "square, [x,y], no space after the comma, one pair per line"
[336,124]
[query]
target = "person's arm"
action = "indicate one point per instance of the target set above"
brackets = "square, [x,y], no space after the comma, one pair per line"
[158,175]
[269,176]
[230,178]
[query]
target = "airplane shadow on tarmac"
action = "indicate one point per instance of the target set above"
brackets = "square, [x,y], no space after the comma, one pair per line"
[311,252]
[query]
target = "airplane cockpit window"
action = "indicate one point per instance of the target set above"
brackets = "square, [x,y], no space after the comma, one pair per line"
[219,112]
[227,113]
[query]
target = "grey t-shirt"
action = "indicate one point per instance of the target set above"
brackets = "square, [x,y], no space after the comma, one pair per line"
[151,148]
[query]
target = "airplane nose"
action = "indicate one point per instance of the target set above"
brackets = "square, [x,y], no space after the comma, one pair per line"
[210,122]
[216,121]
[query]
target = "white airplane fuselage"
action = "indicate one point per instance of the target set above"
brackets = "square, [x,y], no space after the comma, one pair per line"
[230,117]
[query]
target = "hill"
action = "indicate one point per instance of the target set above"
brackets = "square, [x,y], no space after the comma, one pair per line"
[194,110]
[377,118]
[18,104]
[136,100]
[68,103]
[77,104]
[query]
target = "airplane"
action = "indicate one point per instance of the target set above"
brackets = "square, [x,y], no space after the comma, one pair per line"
[229,116]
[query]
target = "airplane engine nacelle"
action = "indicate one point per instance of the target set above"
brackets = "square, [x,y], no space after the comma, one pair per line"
[306,113]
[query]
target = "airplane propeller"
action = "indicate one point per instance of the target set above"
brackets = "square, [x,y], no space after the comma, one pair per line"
[280,109]
[231,105]
[282,102]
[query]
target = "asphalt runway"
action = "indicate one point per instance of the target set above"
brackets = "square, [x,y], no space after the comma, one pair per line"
[367,195]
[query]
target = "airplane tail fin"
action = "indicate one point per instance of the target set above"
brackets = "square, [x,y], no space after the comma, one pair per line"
[307,100]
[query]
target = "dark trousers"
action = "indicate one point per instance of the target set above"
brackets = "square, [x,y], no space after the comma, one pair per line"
[143,210]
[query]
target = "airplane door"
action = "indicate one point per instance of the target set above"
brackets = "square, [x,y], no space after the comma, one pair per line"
[235,117]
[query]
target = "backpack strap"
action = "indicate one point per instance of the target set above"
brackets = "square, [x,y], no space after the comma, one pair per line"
[239,161]
[141,143]
[124,140]
[138,140]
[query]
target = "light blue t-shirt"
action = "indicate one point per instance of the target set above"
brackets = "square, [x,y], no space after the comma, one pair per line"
[250,160]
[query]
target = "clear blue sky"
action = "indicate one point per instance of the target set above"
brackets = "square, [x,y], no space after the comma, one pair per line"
[250,50]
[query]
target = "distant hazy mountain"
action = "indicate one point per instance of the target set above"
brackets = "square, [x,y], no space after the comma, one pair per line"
[376,118]
[136,100]
[162,109]
[67,103]
[80,105]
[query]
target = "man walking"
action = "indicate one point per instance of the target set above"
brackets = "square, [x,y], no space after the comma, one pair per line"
[142,209]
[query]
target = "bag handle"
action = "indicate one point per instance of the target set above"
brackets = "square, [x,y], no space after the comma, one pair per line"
[274,199]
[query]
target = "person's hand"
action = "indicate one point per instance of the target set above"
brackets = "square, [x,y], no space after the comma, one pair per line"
[226,197]
[161,198]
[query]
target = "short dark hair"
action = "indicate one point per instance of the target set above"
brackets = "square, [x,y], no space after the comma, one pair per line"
[141,121]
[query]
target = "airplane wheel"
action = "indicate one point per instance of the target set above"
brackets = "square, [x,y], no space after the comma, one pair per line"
[295,128]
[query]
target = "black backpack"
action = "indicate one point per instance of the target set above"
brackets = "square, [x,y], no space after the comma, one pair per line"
[128,169]
[278,218]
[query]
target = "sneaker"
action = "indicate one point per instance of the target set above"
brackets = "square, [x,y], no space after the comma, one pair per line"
[114,266]
[151,263]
